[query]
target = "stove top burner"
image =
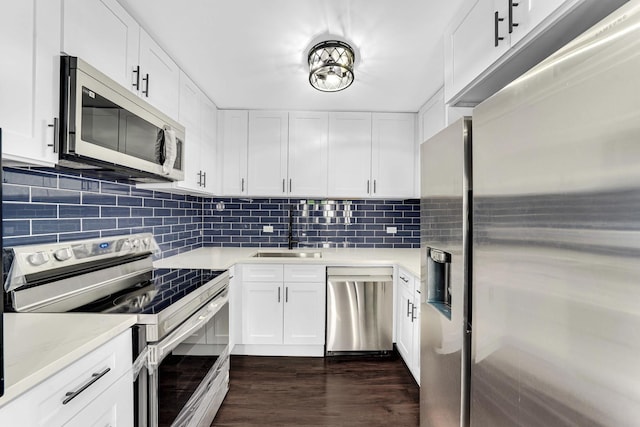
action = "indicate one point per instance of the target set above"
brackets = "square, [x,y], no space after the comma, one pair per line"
[166,287]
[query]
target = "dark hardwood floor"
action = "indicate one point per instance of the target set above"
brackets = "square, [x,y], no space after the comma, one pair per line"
[301,391]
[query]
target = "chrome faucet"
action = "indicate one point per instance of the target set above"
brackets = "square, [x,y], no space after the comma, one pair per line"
[291,241]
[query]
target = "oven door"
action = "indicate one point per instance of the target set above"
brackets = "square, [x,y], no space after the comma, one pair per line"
[189,369]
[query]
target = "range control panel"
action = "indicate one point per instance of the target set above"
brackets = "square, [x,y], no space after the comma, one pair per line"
[38,258]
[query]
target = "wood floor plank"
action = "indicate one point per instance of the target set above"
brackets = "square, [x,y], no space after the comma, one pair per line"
[303,391]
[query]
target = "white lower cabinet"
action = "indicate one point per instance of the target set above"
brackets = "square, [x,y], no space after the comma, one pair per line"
[96,390]
[408,321]
[283,309]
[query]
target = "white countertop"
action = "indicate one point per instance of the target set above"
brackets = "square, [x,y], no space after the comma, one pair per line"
[223,258]
[37,345]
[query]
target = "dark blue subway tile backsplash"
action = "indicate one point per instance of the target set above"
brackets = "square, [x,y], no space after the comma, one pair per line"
[43,206]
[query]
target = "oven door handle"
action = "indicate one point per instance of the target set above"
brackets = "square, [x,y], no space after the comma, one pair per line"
[157,352]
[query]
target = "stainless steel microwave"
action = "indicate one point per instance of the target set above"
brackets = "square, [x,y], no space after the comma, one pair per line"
[109,131]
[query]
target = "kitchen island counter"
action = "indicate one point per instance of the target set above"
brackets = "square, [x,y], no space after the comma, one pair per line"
[223,258]
[38,345]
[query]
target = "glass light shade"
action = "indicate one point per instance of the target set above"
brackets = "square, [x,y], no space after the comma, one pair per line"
[331,66]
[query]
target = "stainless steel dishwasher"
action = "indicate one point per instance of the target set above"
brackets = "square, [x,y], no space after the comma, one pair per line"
[359,310]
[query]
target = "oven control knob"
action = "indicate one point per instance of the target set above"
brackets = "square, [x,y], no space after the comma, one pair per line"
[126,245]
[38,258]
[63,254]
[146,242]
[135,243]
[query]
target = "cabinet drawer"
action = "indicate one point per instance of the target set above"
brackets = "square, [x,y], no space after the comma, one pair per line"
[304,273]
[113,408]
[88,377]
[262,272]
[405,280]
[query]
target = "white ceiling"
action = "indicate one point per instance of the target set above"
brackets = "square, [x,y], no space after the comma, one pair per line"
[251,54]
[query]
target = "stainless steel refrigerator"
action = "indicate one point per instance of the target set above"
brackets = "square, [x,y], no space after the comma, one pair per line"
[554,270]
[556,240]
[445,245]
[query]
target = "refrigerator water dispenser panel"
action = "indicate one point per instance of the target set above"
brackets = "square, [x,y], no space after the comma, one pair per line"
[439,281]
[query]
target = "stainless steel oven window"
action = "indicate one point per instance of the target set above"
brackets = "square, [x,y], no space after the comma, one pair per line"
[191,378]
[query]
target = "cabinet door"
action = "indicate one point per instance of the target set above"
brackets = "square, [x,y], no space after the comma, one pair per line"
[189,117]
[29,79]
[415,347]
[267,167]
[528,14]
[394,153]
[349,154]
[208,147]
[103,34]
[470,43]
[262,313]
[404,328]
[432,117]
[232,131]
[159,76]
[308,148]
[304,313]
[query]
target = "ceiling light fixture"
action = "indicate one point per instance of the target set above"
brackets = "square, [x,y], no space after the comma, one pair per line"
[331,66]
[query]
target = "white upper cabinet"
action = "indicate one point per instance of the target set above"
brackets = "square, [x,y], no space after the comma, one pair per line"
[189,117]
[393,155]
[159,76]
[104,35]
[267,160]
[349,154]
[232,142]
[210,177]
[308,147]
[318,154]
[29,80]
[490,43]
[474,41]
[527,15]
[199,117]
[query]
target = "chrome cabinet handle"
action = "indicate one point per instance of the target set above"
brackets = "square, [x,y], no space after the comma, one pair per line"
[286,294]
[512,24]
[242,186]
[278,294]
[283,189]
[204,179]
[404,279]
[56,134]
[290,180]
[199,178]
[145,92]
[497,37]
[413,313]
[374,186]
[409,310]
[94,377]
[368,187]
[136,84]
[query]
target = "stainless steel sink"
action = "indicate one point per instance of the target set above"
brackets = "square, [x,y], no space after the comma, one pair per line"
[288,255]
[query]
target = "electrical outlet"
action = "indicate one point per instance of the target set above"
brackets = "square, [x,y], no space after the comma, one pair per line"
[267,228]
[392,230]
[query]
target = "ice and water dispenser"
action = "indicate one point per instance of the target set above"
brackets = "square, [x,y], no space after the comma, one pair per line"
[439,280]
